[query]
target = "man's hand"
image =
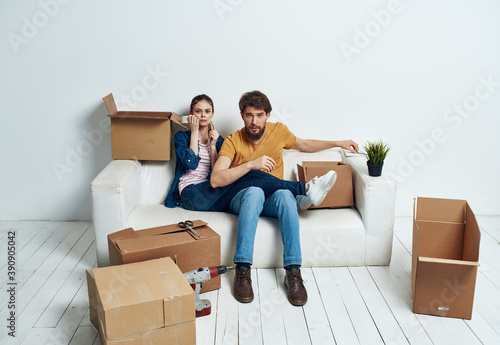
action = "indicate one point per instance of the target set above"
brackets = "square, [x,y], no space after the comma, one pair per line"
[349,145]
[264,162]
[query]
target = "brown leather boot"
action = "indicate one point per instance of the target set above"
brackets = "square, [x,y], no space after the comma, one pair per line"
[243,291]
[297,294]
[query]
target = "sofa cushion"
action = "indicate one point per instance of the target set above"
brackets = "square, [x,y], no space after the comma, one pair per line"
[329,237]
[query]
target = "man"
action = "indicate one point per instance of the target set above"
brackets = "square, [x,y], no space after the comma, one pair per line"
[259,145]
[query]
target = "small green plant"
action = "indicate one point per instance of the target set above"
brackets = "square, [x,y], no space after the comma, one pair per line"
[376,151]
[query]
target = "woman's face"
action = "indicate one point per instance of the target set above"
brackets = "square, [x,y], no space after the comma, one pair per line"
[203,112]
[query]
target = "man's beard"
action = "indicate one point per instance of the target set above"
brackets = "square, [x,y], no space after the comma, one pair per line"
[255,136]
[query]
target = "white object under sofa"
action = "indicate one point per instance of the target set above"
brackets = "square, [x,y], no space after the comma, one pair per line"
[131,193]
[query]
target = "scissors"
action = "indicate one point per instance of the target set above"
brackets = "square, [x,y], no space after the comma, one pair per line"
[188,225]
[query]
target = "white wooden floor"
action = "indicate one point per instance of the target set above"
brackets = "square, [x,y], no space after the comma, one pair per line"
[355,305]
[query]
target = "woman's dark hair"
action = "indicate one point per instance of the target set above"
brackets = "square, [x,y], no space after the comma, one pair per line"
[200,98]
[255,99]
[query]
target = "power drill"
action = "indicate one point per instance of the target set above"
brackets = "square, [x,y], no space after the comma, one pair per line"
[196,278]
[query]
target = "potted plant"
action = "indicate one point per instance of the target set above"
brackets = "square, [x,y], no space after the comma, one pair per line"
[376,152]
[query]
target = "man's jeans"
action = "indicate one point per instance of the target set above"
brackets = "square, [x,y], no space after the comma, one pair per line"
[202,197]
[250,203]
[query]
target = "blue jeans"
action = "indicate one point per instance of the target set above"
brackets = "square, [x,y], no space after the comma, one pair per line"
[203,197]
[249,204]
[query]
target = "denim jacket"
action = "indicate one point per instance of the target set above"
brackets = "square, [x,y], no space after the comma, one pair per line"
[185,160]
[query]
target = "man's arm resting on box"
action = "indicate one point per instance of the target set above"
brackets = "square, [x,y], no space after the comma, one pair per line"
[223,174]
[312,145]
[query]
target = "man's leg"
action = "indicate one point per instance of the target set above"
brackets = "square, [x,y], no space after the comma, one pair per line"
[282,205]
[248,204]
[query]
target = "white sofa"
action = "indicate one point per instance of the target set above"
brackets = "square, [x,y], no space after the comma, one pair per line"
[131,194]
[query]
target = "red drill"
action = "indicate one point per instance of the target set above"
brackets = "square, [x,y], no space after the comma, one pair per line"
[196,278]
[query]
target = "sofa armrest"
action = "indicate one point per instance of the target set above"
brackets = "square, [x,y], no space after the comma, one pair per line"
[115,192]
[375,199]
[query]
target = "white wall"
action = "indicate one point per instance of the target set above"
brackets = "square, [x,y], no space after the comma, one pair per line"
[397,70]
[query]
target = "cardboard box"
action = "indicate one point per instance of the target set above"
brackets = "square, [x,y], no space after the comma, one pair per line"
[188,251]
[341,195]
[140,135]
[445,257]
[143,300]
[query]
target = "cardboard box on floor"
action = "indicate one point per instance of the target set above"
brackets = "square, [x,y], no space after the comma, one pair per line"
[341,195]
[142,303]
[140,135]
[445,257]
[188,251]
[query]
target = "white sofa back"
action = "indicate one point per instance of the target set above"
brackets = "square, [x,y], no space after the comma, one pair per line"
[157,176]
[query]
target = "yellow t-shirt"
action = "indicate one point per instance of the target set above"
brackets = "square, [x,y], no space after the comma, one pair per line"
[240,149]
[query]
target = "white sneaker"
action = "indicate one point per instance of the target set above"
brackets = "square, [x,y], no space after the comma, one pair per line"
[320,186]
[303,201]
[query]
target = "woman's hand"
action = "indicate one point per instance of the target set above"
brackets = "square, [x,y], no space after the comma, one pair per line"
[194,124]
[213,135]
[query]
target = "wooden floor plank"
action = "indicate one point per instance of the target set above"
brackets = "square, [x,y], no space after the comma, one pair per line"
[360,317]
[340,321]
[377,307]
[490,225]
[37,336]
[483,329]
[48,247]
[65,291]
[84,336]
[270,302]
[317,320]
[412,329]
[294,320]
[227,313]
[249,323]
[36,242]
[66,328]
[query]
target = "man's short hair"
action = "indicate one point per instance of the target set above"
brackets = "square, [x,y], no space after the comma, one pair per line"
[255,99]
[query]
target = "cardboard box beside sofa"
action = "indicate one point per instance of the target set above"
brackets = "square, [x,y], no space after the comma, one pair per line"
[140,135]
[445,257]
[341,194]
[188,251]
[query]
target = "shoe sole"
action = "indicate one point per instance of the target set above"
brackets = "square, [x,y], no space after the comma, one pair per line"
[306,205]
[244,300]
[329,186]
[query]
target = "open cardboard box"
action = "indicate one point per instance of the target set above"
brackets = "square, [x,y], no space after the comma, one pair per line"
[142,303]
[445,257]
[341,194]
[188,251]
[140,135]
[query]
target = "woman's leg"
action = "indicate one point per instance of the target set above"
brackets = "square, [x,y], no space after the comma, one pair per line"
[203,197]
[256,178]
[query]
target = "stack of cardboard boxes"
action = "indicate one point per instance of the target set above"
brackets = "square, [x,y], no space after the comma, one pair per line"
[147,302]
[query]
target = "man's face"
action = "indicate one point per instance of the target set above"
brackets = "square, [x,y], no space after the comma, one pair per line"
[255,122]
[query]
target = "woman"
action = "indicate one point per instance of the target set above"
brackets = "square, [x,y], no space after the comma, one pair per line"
[196,152]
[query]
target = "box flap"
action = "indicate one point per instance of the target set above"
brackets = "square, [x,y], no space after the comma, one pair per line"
[110,104]
[445,210]
[123,234]
[143,115]
[472,236]
[93,304]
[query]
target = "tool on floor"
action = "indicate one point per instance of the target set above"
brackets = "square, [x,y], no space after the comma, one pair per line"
[196,278]
[189,225]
